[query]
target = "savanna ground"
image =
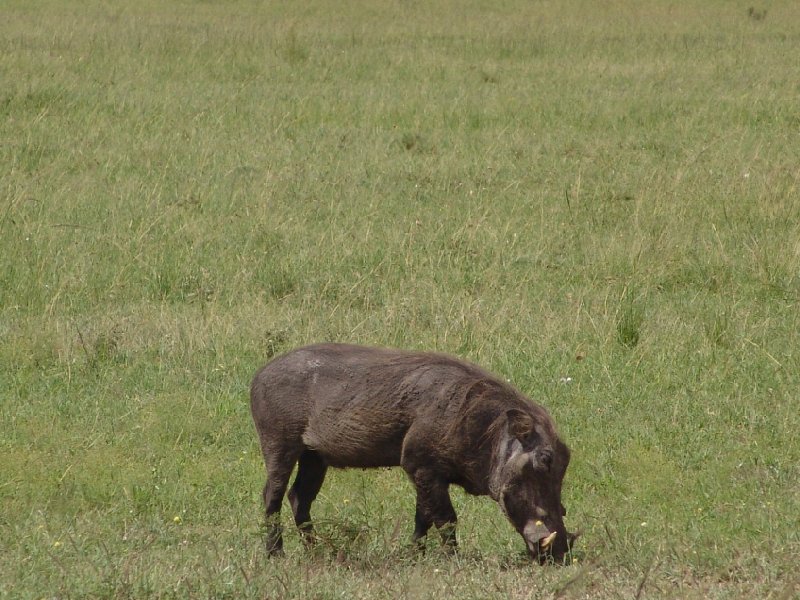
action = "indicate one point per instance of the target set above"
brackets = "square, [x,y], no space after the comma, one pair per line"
[597,200]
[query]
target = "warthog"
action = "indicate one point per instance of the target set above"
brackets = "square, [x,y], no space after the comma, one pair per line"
[445,421]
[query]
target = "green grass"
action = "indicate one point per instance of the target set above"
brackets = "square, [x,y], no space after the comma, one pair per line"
[606,192]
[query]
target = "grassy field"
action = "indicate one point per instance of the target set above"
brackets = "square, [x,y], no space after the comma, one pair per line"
[596,200]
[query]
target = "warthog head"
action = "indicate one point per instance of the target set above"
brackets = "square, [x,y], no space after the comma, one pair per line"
[530,471]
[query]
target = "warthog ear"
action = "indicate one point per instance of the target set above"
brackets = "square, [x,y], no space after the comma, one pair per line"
[520,424]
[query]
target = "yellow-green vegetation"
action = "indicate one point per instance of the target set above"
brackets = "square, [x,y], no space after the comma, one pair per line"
[596,200]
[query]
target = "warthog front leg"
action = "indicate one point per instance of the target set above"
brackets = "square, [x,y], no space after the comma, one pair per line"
[433,508]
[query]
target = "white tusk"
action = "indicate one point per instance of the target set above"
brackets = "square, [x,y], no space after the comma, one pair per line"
[545,543]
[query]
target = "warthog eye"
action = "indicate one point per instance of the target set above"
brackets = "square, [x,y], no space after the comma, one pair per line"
[544,458]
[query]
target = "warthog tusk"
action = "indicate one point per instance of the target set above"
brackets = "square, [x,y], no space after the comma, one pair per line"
[545,542]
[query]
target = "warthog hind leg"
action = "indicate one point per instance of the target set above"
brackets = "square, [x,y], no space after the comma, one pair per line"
[279,470]
[306,486]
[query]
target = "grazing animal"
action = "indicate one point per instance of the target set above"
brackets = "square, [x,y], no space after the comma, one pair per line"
[443,420]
